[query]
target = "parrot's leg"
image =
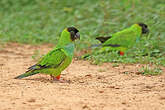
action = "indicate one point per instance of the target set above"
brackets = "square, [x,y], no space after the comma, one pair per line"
[56,79]
[121,53]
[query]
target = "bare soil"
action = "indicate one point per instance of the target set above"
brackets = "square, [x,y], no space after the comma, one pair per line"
[90,87]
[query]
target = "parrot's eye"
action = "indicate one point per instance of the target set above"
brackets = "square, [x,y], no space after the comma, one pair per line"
[145,26]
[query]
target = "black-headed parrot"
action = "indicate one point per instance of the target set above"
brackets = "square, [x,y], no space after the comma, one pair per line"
[123,40]
[55,61]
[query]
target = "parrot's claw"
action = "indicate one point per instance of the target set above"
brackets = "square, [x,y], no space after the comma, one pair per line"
[57,79]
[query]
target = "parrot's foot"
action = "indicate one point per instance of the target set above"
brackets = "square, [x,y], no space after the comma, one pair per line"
[57,79]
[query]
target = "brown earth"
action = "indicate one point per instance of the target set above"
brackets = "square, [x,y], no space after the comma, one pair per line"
[91,87]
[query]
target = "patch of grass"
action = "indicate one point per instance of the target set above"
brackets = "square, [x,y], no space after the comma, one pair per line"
[41,21]
[144,52]
[115,65]
[148,70]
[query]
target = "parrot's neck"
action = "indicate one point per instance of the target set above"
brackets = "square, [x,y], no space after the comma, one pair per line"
[70,49]
[138,31]
[137,28]
[66,43]
[64,39]
[137,39]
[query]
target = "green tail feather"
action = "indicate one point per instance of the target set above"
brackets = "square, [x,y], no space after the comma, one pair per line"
[28,73]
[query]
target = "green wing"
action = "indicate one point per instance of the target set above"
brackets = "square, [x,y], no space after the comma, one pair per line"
[125,38]
[53,59]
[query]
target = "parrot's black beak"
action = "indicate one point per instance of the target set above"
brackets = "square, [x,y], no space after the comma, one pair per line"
[145,31]
[77,36]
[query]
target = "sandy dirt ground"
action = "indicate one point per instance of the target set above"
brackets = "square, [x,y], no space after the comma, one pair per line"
[89,87]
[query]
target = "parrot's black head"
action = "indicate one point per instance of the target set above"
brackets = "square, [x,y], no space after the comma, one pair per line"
[74,33]
[144,28]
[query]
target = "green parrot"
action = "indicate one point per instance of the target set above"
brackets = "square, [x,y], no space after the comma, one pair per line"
[124,39]
[55,61]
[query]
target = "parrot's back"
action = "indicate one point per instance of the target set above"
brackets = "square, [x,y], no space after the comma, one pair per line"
[125,38]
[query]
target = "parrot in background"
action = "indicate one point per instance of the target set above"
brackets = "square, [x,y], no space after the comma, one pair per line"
[55,61]
[124,39]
